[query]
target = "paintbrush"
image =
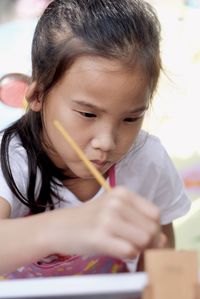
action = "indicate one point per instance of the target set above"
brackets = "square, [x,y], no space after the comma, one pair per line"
[98,176]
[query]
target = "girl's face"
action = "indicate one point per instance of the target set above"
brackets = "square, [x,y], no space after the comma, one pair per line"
[101,104]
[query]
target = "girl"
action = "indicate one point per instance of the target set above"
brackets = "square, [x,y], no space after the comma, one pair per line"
[95,68]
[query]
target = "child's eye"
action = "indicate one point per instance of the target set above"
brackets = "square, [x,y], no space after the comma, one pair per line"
[132,119]
[87,114]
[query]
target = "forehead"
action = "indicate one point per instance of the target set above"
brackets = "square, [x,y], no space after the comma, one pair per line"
[103,79]
[95,65]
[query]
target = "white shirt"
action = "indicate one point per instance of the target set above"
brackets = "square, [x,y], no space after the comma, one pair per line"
[146,169]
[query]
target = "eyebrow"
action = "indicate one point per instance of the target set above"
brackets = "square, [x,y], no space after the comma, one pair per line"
[89,105]
[140,109]
[92,106]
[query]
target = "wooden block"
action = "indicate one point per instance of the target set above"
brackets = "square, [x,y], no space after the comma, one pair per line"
[172,274]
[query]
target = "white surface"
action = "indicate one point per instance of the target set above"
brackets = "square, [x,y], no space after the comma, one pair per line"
[75,286]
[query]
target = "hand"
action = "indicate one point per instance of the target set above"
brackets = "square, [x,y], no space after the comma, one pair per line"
[119,224]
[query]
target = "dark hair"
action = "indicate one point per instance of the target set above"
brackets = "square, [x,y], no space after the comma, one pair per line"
[126,30]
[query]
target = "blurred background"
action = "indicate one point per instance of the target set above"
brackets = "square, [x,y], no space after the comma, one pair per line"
[174,115]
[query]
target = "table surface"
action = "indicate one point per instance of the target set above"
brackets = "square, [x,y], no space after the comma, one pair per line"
[106,286]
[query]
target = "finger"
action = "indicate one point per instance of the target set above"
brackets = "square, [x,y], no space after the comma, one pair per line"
[117,247]
[122,208]
[138,220]
[137,233]
[161,241]
[147,208]
[139,203]
[139,237]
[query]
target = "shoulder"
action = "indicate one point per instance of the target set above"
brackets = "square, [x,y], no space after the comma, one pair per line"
[148,170]
[16,152]
[16,160]
[147,151]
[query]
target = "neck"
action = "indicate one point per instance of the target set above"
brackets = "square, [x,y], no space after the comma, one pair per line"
[84,189]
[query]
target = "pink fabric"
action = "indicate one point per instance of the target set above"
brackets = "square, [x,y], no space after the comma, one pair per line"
[111,175]
[74,265]
[57,265]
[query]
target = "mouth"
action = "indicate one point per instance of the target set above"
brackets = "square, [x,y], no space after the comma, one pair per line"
[100,164]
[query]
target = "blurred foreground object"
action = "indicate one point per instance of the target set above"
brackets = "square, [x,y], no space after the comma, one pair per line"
[171,274]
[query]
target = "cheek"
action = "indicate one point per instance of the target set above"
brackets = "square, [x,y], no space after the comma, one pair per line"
[127,137]
[80,134]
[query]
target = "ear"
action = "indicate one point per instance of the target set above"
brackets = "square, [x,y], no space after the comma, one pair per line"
[35,103]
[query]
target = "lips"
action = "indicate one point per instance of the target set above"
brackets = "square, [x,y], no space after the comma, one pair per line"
[99,163]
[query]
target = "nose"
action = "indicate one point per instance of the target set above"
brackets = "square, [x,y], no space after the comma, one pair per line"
[104,141]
